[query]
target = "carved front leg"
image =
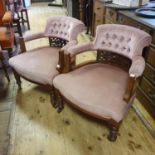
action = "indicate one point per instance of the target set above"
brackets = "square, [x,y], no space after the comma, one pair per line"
[56,99]
[113,132]
[59,101]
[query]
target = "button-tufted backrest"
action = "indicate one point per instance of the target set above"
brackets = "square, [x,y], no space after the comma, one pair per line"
[63,27]
[121,39]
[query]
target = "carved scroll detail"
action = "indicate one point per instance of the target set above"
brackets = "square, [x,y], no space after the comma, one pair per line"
[57,42]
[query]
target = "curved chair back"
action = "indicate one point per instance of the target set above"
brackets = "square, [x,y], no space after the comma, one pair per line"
[66,28]
[121,39]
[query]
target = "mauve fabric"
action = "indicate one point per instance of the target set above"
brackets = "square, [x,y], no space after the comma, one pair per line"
[137,66]
[97,89]
[69,44]
[33,36]
[82,47]
[121,39]
[63,27]
[38,65]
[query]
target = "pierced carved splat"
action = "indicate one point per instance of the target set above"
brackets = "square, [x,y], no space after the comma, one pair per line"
[57,42]
[113,59]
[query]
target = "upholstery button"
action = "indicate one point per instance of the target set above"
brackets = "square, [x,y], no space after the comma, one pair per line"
[121,38]
[103,42]
[114,36]
[129,39]
[116,45]
[107,35]
[109,43]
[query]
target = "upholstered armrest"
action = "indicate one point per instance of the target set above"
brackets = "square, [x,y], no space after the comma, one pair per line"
[137,66]
[29,37]
[68,45]
[130,88]
[80,48]
[7,18]
[33,36]
[136,70]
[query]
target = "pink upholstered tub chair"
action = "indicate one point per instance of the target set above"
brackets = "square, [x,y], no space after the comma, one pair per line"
[104,88]
[39,65]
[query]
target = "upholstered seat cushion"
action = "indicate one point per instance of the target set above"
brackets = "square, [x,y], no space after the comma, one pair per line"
[41,61]
[97,89]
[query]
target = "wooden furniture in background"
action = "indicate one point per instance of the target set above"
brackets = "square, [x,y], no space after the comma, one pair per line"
[6,30]
[110,13]
[146,89]
[2,10]
[4,66]
[98,15]
[20,14]
[76,8]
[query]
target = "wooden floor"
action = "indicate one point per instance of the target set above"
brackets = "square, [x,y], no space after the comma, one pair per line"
[7,96]
[37,129]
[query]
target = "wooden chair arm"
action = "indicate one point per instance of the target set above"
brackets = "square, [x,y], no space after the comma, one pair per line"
[130,87]
[22,44]
[64,63]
